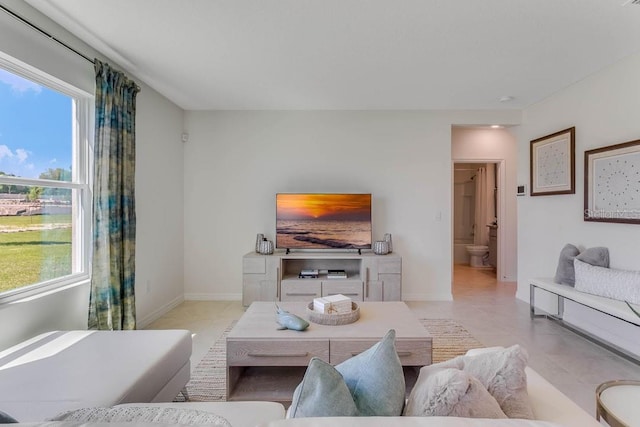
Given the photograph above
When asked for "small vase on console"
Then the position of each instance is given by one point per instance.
(259, 239)
(387, 238)
(266, 247)
(380, 247)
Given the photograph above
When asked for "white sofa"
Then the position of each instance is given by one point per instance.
(64, 370)
(550, 408)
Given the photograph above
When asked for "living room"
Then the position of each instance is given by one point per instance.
(218, 188)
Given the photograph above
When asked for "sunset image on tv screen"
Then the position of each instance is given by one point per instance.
(323, 221)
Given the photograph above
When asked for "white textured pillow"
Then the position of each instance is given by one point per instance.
(149, 414)
(450, 393)
(622, 285)
(501, 372)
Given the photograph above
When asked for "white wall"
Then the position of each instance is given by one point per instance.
(495, 145)
(604, 109)
(159, 187)
(235, 163)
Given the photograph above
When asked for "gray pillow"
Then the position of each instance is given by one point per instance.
(565, 273)
(595, 256)
(501, 372)
(148, 414)
(451, 393)
(369, 384)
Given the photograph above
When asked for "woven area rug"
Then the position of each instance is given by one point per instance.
(208, 379)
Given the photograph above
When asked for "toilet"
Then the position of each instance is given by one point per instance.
(477, 253)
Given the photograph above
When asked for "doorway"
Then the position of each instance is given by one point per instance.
(475, 214)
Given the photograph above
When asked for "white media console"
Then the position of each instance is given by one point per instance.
(274, 277)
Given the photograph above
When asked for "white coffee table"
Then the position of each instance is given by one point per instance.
(264, 363)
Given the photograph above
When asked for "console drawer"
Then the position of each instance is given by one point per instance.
(275, 352)
(300, 290)
(412, 352)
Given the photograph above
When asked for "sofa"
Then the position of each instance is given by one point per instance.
(34, 388)
(550, 407)
(64, 370)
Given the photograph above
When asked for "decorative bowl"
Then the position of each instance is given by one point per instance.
(334, 319)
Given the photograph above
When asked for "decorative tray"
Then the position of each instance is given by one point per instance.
(334, 319)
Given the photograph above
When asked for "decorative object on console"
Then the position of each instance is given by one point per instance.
(552, 164)
(266, 247)
(380, 247)
(611, 183)
(387, 238)
(374, 379)
(288, 320)
(565, 272)
(259, 239)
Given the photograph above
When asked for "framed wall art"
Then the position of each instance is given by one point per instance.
(552, 164)
(612, 183)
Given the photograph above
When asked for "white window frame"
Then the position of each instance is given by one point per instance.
(81, 180)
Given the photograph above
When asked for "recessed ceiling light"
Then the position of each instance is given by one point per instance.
(506, 98)
(496, 127)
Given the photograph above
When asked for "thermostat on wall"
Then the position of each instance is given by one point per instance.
(522, 190)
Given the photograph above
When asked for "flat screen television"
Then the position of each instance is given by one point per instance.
(323, 221)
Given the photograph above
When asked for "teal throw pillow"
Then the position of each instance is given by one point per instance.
(375, 379)
(369, 384)
(322, 393)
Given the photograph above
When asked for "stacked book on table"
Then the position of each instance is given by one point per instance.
(336, 274)
(332, 304)
(308, 274)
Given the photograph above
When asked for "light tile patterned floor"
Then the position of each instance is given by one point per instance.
(485, 307)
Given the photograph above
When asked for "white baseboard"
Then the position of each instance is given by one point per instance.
(159, 312)
(213, 297)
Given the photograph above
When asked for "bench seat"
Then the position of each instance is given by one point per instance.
(64, 370)
(615, 308)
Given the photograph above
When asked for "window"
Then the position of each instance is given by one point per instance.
(44, 182)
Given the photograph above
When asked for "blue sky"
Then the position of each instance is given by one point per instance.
(35, 127)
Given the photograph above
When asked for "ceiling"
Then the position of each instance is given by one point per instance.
(355, 54)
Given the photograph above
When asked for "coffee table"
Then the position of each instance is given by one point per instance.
(264, 363)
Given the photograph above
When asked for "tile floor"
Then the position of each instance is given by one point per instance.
(487, 308)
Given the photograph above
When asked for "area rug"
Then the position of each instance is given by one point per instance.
(208, 379)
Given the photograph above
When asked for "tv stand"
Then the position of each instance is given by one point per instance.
(275, 277)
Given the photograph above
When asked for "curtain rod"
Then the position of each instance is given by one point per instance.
(44, 33)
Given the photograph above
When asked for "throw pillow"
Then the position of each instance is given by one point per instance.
(376, 379)
(621, 285)
(144, 414)
(502, 373)
(451, 392)
(598, 256)
(565, 273)
(322, 393)
(369, 384)
(6, 418)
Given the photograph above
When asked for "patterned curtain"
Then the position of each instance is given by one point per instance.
(112, 298)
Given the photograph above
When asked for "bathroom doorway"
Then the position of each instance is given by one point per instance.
(475, 215)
